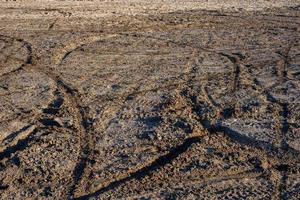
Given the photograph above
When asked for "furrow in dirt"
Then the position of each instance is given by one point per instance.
(162, 106)
(84, 129)
(21, 145)
(145, 171)
(79, 113)
(237, 71)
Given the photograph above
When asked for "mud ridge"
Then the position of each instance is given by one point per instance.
(146, 171)
(21, 145)
(11, 136)
(55, 106)
(85, 137)
(28, 60)
(237, 70)
(84, 125)
(242, 139)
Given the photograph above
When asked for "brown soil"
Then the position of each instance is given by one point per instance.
(193, 103)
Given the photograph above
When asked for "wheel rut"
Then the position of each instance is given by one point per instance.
(237, 71)
(84, 126)
(208, 98)
(147, 170)
(70, 94)
(27, 61)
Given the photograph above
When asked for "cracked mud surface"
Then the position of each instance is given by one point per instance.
(199, 104)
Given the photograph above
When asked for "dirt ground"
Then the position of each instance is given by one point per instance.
(149, 99)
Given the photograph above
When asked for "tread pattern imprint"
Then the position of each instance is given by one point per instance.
(185, 105)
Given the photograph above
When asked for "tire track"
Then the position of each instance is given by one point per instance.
(83, 125)
(21, 144)
(236, 136)
(71, 95)
(288, 154)
(87, 142)
(146, 171)
(159, 162)
(189, 89)
(28, 60)
(252, 174)
(61, 54)
(214, 128)
(237, 71)
(208, 97)
(284, 125)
